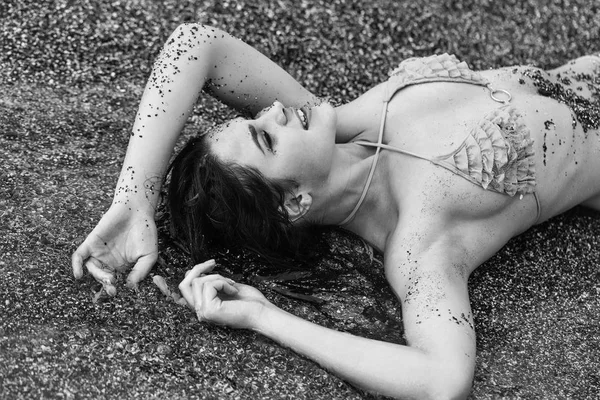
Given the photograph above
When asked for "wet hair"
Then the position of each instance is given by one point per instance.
(210, 200)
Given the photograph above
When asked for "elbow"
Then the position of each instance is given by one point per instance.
(185, 30)
(196, 42)
(194, 29)
(449, 384)
(203, 41)
(436, 384)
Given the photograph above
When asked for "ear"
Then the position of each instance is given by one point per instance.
(297, 205)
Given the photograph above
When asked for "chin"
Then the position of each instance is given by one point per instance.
(327, 116)
(326, 106)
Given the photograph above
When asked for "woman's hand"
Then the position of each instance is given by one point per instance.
(220, 300)
(121, 238)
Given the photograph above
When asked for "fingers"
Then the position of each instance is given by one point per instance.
(94, 267)
(206, 290)
(199, 269)
(185, 287)
(81, 254)
(160, 282)
(141, 269)
(106, 278)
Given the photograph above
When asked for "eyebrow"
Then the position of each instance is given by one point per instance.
(254, 135)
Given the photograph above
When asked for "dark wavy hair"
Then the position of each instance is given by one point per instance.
(229, 204)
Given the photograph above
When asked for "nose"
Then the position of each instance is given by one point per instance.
(273, 113)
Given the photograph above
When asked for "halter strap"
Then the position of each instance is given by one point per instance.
(414, 71)
(372, 170)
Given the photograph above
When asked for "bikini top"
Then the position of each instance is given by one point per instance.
(497, 153)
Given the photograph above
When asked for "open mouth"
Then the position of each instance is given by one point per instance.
(303, 115)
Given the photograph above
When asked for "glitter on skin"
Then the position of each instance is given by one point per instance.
(586, 111)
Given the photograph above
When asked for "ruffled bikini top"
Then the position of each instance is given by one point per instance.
(496, 154)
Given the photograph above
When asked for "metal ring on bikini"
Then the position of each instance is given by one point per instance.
(498, 99)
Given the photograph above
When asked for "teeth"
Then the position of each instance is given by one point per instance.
(303, 118)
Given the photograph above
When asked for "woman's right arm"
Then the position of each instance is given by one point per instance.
(194, 57)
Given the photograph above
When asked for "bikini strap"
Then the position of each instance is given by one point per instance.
(373, 165)
(437, 68)
(412, 71)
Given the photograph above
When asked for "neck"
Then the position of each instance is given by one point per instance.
(344, 186)
(374, 219)
(342, 190)
(336, 198)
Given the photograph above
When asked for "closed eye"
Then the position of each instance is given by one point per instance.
(268, 140)
(254, 136)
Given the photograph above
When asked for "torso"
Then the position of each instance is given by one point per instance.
(433, 201)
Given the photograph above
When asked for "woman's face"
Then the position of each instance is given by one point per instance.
(282, 143)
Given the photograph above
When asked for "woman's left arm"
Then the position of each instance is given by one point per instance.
(437, 362)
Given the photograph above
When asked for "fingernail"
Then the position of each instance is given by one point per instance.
(131, 284)
(108, 287)
(111, 290)
(182, 301)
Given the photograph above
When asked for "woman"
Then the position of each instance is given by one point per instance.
(437, 168)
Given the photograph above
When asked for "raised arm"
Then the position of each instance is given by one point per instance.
(438, 361)
(197, 57)
(194, 57)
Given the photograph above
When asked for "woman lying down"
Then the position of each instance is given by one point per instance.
(437, 168)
